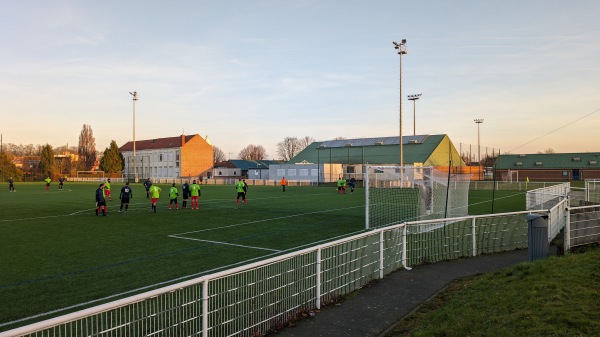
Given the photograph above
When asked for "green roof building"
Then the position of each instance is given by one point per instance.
(426, 150)
(548, 167)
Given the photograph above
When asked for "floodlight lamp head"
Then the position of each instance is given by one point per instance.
(403, 41)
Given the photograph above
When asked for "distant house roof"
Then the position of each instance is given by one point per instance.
(586, 160)
(158, 143)
(246, 164)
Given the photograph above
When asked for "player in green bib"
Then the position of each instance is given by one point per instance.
(240, 187)
(154, 194)
(195, 193)
(107, 189)
(173, 194)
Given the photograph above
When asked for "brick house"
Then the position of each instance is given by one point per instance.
(172, 157)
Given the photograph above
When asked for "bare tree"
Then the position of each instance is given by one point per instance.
(288, 148)
(87, 148)
(304, 142)
(339, 138)
(253, 152)
(291, 146)
(218, 155)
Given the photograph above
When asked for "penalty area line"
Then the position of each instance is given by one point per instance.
(223, 243)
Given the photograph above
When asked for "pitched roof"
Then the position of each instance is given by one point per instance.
(586, 160)
(246, 164)
(158, 143)
(380, 150)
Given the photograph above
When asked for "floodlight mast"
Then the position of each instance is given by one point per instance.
(135, 98)
(401, 47)
(478, 121)
(414, 98)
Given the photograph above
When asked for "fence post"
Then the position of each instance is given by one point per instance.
(205, 308)
(567, 235)
(381, 238)
(404, 257)
(473, 223)
(318, 281)
(367, 198)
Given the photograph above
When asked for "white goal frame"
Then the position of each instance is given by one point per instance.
(93, 173)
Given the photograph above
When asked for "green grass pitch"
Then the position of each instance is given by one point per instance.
(56, 253)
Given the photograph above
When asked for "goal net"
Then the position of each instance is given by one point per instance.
(510, 176)
(396, 194)
(592, 190)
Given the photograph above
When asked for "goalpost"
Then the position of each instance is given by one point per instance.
(395, 194)
(592, 190)
(90, 174)
(510, 176)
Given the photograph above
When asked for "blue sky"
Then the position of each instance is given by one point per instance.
(254, 72)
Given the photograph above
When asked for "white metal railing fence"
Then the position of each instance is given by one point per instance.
(582, 226)
(547, 197)
(253, 299)
(557, 218)
(510, 186)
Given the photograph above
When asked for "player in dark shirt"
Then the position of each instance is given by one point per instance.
(147, 185)
(185, 191)
(100, 201)
(61, 181)
(126, 194)
(11, 185)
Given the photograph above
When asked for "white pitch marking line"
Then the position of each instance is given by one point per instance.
(271, 219)
(224, 243)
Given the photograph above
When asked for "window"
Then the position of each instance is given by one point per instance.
(280, 172)
(292, 172)
(314, 172)
(304, 172)
(565, 173)
(176, 164)
(160, 157)
(177, 155)
(220, 173)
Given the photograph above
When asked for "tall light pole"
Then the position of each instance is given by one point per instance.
(478, 121)
(414, 98)
(135, 98)
(401, 50)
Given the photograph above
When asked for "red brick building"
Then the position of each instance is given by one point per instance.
(172, 157)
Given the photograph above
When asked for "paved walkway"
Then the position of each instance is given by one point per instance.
(376, 308)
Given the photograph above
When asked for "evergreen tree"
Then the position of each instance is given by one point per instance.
(47, 164)
(112, 161)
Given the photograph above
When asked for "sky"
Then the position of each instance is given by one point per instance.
(255, 72)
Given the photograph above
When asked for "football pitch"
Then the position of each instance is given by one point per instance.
(57, 256)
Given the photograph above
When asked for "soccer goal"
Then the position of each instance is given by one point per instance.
(510, 176)
(592, 190)
(90, 174)
(395, 194)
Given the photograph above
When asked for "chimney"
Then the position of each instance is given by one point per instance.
(182, 140)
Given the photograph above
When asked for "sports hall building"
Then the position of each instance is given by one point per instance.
(328, 160)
